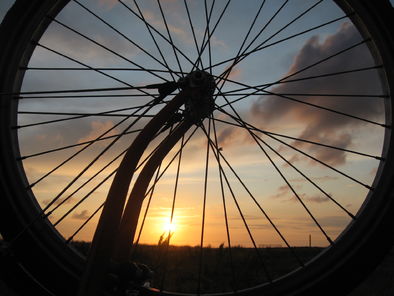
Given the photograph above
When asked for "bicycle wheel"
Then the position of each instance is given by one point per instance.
(282, 189)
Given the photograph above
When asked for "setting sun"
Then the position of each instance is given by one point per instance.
(169, 226)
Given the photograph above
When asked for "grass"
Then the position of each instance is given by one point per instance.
(181, 268)
(183, 263)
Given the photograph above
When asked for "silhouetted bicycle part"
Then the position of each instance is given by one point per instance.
(29, 221)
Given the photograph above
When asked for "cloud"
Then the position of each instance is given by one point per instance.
(44, 137)
(69, 43)
(284, 192)
(178, 26)
(108, 4)
(311, 199)
(235, 74)
(225, 135)
(281, 192)
(97, 129)
(57, 202)
(157, 22)
(83, 215)
(317, 199)
(317, 124)
(321, 179)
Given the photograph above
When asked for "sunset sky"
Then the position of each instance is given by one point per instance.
(62, 47)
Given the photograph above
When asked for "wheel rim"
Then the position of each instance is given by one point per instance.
(226, 130)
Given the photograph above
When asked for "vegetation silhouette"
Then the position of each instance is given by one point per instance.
(177, 268)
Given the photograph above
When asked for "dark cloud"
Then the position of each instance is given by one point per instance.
(57, 202)
(284, 192)
(44, 137)
(317, 124)
(321, 179)
(317, 198)
(309, 199)
(225, 135)
(83, 215)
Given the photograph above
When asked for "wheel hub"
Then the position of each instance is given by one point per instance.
(201, 103)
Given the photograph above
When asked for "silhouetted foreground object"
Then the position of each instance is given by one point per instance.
(247, 124)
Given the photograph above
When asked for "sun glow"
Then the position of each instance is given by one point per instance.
(169, 226)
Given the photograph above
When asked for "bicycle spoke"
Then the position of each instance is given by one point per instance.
(238, 56)
(264, 27)
(169, 36)
(130, 87)
(251, 128)
(86, 90)
(328, 196)
(219, 155)
(199, 49)
(256, 93)
(200, 258)
(236, 61)
(238, 118)
(84, 184)
(338, 112)
(328, 75)
(191, 26)
(84, 224)
(155, 30)
(329, 109)
(242, 123)
(154, 40)
(261, 45)
(254, 128)
(241, 215)
(251, 27)
(101, 69)
(81, 200)
(74, 145)
(229, 69)
(95, 188)
(86, 96)
(149, 106)
(78, 116)
(170, 162)
(126, 38)
(172, 213)
(83, 64)
(293, 166)
(224, 207)
(257, 49)
(207, 19)
(105, 113)
(234, 92)
(108, 49)
(293, 191)
(320, 61)
(205, 42)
